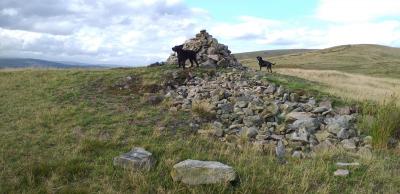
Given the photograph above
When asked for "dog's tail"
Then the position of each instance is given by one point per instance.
(273, 63)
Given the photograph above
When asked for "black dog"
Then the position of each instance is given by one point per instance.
(263, 63)
(184, 55)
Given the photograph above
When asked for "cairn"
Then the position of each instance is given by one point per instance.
(210, 52)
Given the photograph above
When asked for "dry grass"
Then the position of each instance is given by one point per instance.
(203, 109)
(350, 86)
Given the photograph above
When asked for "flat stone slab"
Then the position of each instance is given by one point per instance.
(196, 172)
(341, 172)
(341, 164)
(137, 159)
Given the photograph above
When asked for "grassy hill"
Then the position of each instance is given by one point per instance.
(374, 60)
(270, 53)
(38, 63)
(60, 129)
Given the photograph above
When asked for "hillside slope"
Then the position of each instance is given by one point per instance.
(375, 60)
(270, 53)
(38, 63)
(60, 129)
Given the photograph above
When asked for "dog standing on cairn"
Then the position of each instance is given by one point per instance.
(184, 55)
(263, 63)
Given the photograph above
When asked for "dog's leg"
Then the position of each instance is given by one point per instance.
(191, 63)
(197, 63)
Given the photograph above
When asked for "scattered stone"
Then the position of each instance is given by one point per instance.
(196, 172)
(343, 164)
(137, 159)
(310, 124)
(344, 110)
(294, 97)
(250, 132)
(270, 89)
(343, 134)
(300, 135)
(252, 121)
(280, 150)
(320, 110)
(327, 104)
(298, 154)
(341, 172)
(334, 125)
(298, 116)
(349, 144)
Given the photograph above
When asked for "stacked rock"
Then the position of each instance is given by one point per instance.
(246, 105)
(210, 52)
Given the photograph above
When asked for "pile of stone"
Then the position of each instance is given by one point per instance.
(248, 106)
(210, 52)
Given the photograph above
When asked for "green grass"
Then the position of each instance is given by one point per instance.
(373, 60)
(60, 129)
(382, 121)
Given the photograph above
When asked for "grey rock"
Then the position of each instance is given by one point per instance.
(343, 164)
(298, 154)
(298, 116)
(241, 104)
(310, 124)
(226, 108)
(294, 97)
(349, 144)
(249, 132)
(270, 89)
(280, 91)
(196, 172)
(324, 146)
(343, 134)
(335, 124)
(344, 110)
(320, 110)
(137, 159)
(218, 129)
(300, 135)
(252, 121)
(327, 104)
(341, 172)
(280, 150)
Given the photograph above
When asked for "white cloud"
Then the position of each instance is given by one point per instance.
(142, 31)
(357, 10)
(120, 31)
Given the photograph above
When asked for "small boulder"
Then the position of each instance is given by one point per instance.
(349, 144)
(298, 116)
(196, 172)
(249, 132)
(341, 172)
(137, 159)
(294, 97)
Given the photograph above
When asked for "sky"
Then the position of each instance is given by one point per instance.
(139, 32)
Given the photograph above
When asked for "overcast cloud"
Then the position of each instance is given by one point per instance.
(143, 31)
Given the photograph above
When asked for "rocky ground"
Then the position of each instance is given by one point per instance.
(241, 104)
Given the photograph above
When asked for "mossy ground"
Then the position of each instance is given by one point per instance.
(60, 129)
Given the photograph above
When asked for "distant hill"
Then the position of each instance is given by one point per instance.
(38, 63)
(269, 53)
(376, 60)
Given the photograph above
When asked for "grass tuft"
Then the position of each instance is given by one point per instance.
(381, 121)
(204, 110)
